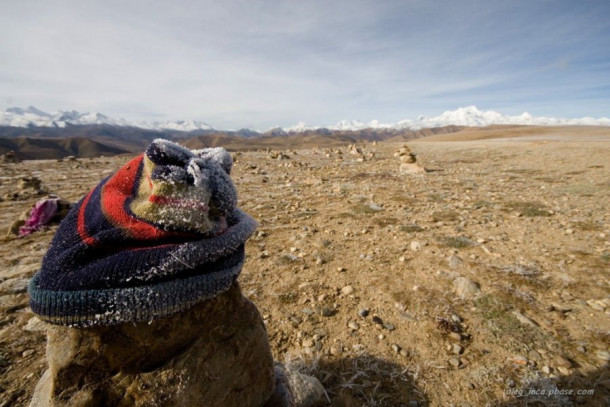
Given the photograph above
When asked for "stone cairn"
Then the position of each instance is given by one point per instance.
(408, 161)
(361, 154)
(215, 354)
(277, 155)
(182, 336)
(9, 158)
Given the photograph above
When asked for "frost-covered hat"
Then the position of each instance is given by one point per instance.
(158, 236)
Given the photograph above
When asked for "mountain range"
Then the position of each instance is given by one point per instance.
(468, 116)
(33, 134)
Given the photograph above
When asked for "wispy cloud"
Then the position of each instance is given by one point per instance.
(258, 64)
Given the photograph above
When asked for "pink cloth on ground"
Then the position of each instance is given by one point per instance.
(41, 215)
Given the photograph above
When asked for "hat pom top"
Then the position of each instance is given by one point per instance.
(185, 190)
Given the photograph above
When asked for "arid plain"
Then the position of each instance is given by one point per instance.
(484, 281)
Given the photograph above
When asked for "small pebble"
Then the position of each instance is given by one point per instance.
(27, 353)
(533, 355)
(518, 360)
(407, 317)
(457, 349)
(389, 326)
(363, 312)
(562, 361)
(307, 343)
(307, 311)
(377, 320)
(455, 362)
(347, 290)
(354, 326)
(326, 312)
(395, 348)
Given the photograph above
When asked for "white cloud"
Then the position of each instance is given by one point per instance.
(244, 63)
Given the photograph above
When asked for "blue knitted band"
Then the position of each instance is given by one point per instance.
(131, 304)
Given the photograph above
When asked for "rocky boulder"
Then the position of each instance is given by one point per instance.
(214, 354)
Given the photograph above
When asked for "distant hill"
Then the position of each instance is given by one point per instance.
(95, 140)
(30, 148)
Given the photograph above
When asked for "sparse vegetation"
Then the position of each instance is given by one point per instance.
(456, 242)
(410, 228)
(287, 298)
(505, 327)
(445, 215)
(529, 209)
(588, 226)
(363, 209)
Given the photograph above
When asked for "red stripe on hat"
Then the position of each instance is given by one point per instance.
(115, 194)
(80, 224)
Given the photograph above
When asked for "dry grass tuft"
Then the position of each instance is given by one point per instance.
(522, 270)
(529, 209)
(445, 215)
(456, 242)
(361, 378)
(410, 228)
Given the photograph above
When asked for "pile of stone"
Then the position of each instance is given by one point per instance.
(214, 354)
(337, 153)
(361, 154)
(189, 339)
(9, 158)
(277, 155)
(27, 187)
(408, 161)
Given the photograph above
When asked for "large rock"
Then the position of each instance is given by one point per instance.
(214, 354)
(411, 168)
(465, 288)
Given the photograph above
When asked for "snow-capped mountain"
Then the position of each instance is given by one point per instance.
(32, 117)
(473, 117)
(464, 116)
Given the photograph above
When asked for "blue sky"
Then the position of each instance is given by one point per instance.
(259, 64)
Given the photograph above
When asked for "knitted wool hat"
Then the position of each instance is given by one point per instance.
(158, 236)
